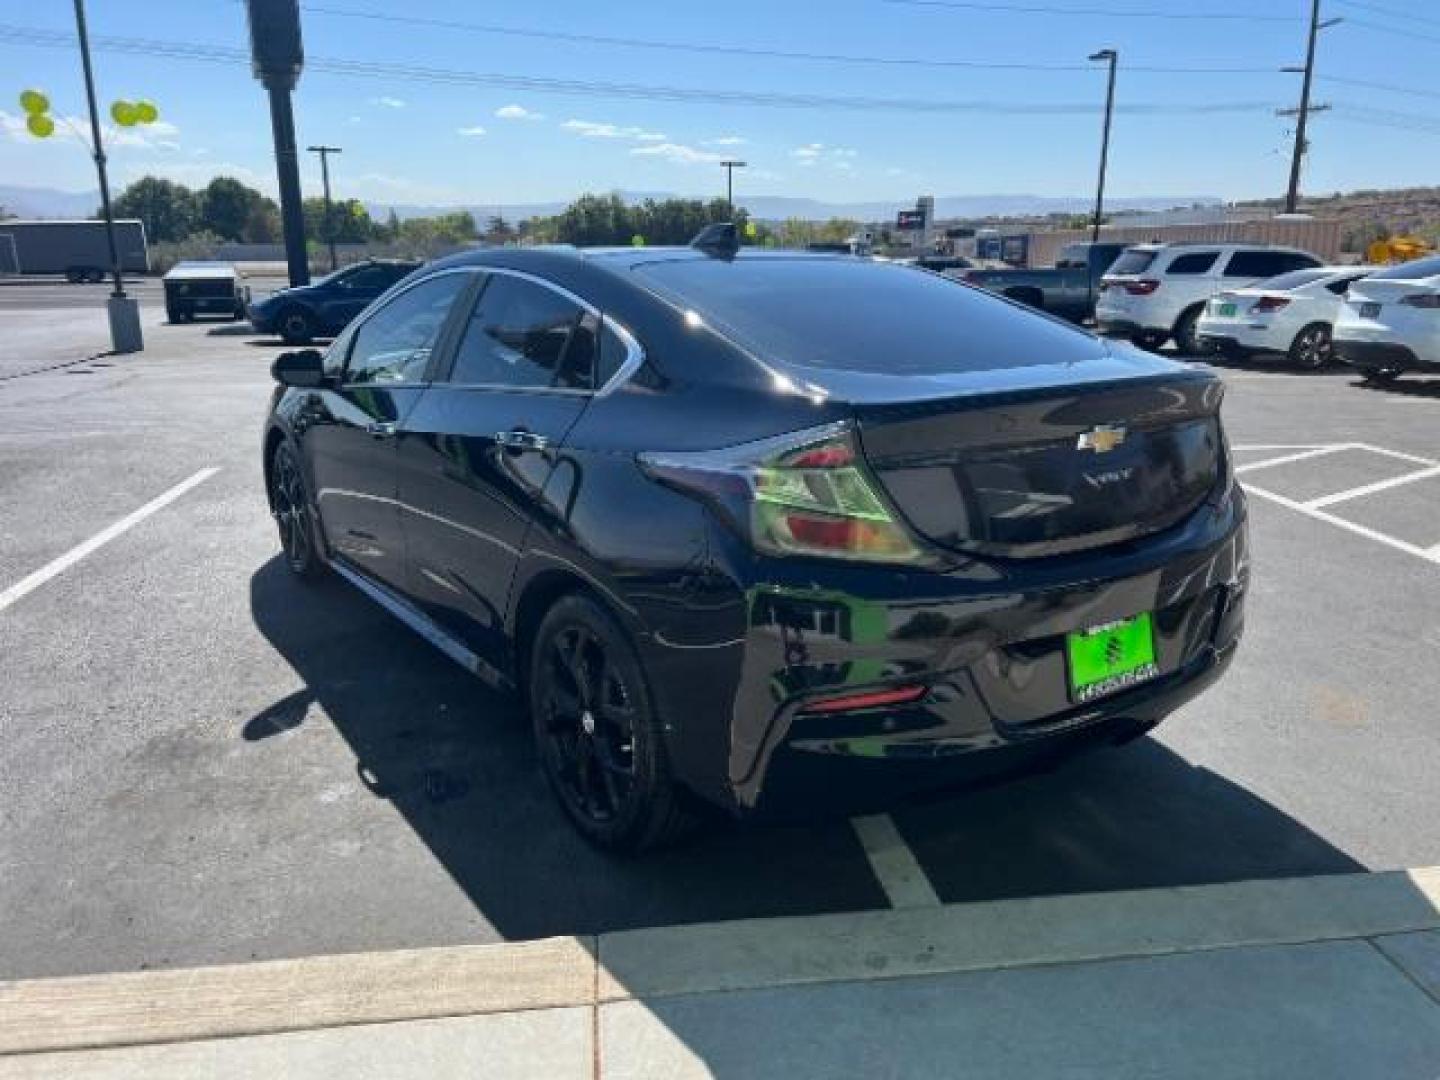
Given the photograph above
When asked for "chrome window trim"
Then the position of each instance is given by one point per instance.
(634, 353)
(384, 300)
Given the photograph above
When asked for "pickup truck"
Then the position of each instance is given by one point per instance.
(1068, 289)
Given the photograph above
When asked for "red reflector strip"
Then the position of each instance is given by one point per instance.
(900, 696)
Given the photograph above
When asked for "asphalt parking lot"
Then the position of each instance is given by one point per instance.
(206, 761)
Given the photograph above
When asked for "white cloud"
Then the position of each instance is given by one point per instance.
(680, 155)
(840, 158)
(727, 140)
(161, 135)
(354, 119)
(517, 112)
(592, 129)
(475, 130)
(197, 173)
(388, 102)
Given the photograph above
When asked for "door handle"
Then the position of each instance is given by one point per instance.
(520, 439)
(382, 429)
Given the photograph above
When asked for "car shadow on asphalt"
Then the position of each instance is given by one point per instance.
(456, 761)
(1404, 387)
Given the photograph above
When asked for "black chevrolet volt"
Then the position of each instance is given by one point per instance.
(773, 531)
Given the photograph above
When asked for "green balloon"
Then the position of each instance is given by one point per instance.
(40, 125)
(146, 112)
(637, 240)
(123, 113)
(34, 102)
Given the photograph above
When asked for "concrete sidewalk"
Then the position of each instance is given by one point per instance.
(1308, 977)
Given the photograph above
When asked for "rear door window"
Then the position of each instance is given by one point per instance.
(1133, 262)
(1266, 264)
(1193, 262)
(524, 335)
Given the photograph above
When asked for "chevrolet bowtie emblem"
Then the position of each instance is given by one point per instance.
(1102, 439)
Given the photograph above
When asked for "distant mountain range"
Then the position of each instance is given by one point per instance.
(53, 203)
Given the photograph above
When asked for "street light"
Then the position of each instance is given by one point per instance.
(325, 152)
(730, 167)
(1113, 58)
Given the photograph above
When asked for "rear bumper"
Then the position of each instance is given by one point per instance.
(989, 653)
(1380, 355)
(1124, 328)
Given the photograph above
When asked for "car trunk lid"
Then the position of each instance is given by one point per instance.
(1032, 471)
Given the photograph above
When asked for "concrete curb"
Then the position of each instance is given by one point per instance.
(136, 1008)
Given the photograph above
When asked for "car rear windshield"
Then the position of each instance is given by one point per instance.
(1411, 271)
(1296, 279)
(1133, 262)
(855, 315)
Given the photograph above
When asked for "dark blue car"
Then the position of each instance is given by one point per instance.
(325, 307)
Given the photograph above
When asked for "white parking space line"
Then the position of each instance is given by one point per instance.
(1428, 554)
(1371, 489)
(893, 863)
(31, 582)
(1300, 455)
(1398, 455)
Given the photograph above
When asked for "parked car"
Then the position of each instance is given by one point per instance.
(324, 308)
(1390, 321)
(941, 264)
(1293, 314)
(204, 288)
(766, 529)
(1156, 292)
(1068, 289)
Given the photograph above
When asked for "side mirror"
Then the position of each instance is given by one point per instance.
(303, 367)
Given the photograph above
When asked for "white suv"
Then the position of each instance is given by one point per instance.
(1154, 292)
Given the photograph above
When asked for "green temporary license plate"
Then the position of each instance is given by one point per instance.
(1227, 311)
(1111, 657)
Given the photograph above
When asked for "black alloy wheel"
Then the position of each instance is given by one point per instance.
(1312, 348)
(291, 508)
(1383, 375)
(296, 326)
(596, 731)
(1151, 340)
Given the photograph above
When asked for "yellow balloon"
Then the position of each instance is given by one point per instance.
(146, 112)
(750, 229)
(40, 125)
(34, 102)
(123, 113)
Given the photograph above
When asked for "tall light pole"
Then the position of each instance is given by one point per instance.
(124, 311)
(730, 167)
(325, 152)
(1111, 56)
(1302, 114)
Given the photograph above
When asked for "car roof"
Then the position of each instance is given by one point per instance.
(200, 268)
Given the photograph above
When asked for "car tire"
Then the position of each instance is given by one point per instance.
(172, 315)
(73, 276)
(1312, 348)
(1383, 375)
(1151, 340)
(600, 742)
(296, 326)
(291, 507)
(1186, 334)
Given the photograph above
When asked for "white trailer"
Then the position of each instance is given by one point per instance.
(76, 249)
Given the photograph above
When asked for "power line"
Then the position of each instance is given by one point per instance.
(1402, 121)
(707, 48)
(1389, 13)
(589, 88)
(1104, 12)
(1405, 32)
(1390, 88)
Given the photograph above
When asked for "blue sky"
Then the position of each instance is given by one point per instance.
(412, 141)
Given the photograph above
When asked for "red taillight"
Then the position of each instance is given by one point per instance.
(902, 695)
(830, 456)
(1268, 304)
(1143, 287)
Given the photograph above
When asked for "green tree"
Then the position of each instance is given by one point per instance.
(349, 219)
(169, 210)
(263, 224)
(226, 205)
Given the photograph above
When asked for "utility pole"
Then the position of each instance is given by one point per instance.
(730, 167)
(125, 335)
(277, 56)
(1302, 114)
(325, 152)
(1113, 58)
